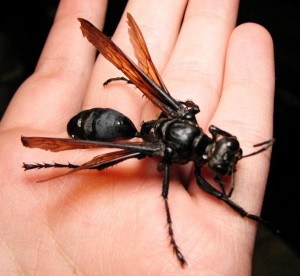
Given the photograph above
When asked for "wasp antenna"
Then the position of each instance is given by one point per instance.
(268, 144)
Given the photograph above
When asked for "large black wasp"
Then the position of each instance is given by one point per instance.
(173, 138)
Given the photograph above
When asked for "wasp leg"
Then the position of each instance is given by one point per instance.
(99, 163)
(38, 166)
(215, 131)
(191, 105)
(208, 188)
(231, 185)
(117, 79)
(165, 191)
(222, 185)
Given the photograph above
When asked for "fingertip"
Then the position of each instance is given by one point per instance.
(249, 83)
(254, 29)
(250, 52)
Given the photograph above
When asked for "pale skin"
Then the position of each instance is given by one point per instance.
(113, 222)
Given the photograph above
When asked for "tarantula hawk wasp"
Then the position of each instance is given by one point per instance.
(173, 138)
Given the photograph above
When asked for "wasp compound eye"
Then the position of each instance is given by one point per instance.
(233, 144)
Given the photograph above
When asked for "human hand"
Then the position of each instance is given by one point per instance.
(114, 221)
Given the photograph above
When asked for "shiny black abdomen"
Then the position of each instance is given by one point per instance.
(103, 124)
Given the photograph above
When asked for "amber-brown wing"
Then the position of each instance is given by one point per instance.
(101, 162)
(142, 53)
(61, 144)
(114, 54)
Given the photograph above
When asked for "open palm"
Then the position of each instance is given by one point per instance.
(113, 222)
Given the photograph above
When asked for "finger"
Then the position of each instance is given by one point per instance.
(246, 106)
(195, 70)
(160, 32)
(54, 92)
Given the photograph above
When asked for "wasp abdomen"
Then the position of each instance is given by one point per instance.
(103, 124)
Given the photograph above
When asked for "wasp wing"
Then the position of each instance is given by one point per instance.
(61, 144)
(142, 53)
(148, 86)
(99, 162)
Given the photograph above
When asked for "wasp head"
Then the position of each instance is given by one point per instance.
(223, 156)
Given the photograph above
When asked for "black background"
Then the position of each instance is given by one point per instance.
(24, 26)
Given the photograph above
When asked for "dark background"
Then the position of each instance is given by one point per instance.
(24, 26)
